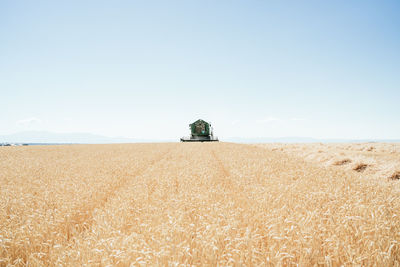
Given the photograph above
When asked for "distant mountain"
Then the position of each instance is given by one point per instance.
(69, 138)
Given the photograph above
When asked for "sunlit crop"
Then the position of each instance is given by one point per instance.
(193, 204)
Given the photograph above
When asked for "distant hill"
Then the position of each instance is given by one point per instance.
(303, 140)
(69, 138)
(42, 137)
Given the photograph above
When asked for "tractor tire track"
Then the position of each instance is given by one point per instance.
(145, 204)
(83, 218)
(230, 182)
(223, 171)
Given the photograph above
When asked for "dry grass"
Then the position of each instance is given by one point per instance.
(191, 204)
(341, 162)
(360, 167)
(395, 176)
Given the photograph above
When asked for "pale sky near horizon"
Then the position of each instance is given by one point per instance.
(146, 69)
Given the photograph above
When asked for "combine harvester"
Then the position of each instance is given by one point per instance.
(201, 131)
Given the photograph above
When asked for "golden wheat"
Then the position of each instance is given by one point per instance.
(193, 204)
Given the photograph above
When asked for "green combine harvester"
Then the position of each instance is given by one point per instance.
(201, 131)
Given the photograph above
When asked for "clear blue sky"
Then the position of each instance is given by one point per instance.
(253, 68)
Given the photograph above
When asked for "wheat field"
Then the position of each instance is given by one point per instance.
(180, 204)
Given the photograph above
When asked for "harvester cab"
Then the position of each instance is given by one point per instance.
(200, 131)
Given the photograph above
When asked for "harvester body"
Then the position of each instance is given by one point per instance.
(200, 131)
